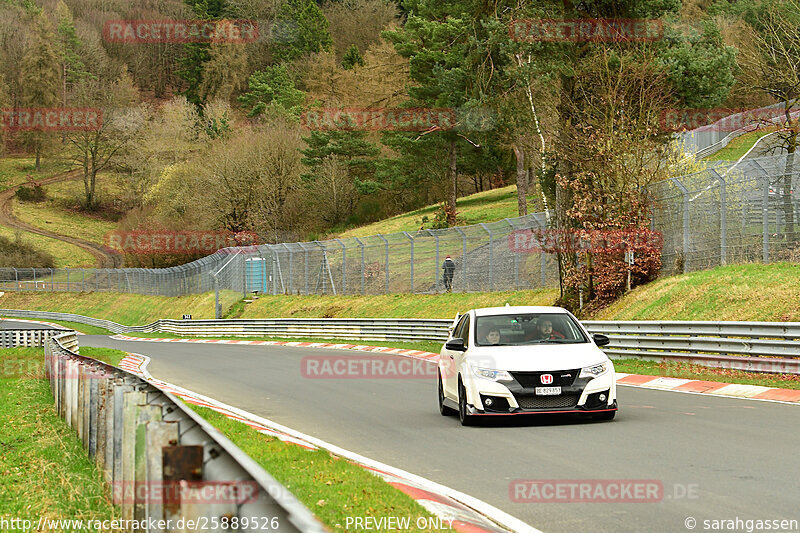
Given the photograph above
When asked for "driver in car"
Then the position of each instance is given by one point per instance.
(544, 329)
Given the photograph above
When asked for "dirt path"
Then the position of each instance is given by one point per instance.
(104, 257)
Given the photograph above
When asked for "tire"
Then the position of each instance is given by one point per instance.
(443, 409)
(608, 415)
(463, 417)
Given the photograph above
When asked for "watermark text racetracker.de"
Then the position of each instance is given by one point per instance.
(237, 31)
(366, 367)
(549, 240)
(203, 523)
(586, 30)
(598, 491)
(51, 119)
(399, 119)
(177, 242)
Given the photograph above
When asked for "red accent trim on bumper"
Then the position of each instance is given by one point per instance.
(545, 412)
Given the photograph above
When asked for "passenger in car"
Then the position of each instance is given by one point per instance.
(490, 336)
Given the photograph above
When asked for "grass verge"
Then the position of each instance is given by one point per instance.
(391, 305)
(44, 470)
(739, 146)
(128, 309)
(64, 254)
(332, 488)
(486, 206)
(106, 355)
(751, 292)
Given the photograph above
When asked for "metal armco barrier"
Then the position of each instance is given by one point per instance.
(162, 460)
(29, 338)
(754, 346)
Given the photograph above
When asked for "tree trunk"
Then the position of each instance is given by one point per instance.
(453, 175)
(38, 150)
(522, 181)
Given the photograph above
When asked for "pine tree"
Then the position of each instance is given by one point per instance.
(197, 54)
(352, 57)
(272, 88)
(40, 81)
(300, 28)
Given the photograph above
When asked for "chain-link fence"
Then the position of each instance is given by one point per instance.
(729, 213)
(706, 140)
(484, 256)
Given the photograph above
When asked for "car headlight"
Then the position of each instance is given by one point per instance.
(594, 370)
(494, 375)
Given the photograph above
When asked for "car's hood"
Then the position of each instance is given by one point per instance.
(537, 357)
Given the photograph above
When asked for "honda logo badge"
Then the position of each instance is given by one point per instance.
(547, 379)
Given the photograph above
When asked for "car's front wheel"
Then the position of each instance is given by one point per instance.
(443, 409)
(465, 418)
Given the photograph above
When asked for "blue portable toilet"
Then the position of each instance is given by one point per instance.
(257, 274)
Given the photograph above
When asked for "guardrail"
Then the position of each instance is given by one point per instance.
(29, 338)
(751, 346)
(162, 460)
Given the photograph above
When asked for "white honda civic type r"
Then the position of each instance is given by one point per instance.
(502, 361)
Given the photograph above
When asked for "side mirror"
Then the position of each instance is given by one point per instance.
(600, 340)
(456, 345)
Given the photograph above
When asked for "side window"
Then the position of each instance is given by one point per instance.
(457, 331)
(464, 333)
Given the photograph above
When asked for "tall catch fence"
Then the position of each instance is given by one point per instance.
(709, 139)
(729, 213)
(404, 262)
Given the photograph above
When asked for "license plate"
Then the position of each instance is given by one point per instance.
(548, 391)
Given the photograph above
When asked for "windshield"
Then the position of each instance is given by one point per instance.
(524, 329)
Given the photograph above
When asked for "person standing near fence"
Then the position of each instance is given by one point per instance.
(449, 267)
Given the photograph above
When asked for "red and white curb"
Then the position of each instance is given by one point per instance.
(416, 354)
(458, 510)
(716, 388)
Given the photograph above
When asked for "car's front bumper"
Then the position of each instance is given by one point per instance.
(581, 395)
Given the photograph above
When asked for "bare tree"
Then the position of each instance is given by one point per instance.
(770, 63)
(97, 150)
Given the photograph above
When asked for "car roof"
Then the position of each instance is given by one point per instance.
(518, 309)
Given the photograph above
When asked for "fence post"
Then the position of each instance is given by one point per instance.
(387, 260)
(516, 257)
(491, 256)
(723, 218)
(291, 277)
(343, 290)
(411, 239)
(217, 310)
(305, 267)
(34, 279)
(685, 192)
(436, 265)
(463, 256)
(363, 280)
(764, 214)
(52, 282)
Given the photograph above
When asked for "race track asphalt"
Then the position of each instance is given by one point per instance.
(717, 458)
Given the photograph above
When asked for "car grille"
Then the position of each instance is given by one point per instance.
(561, 378)
(547, 402)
